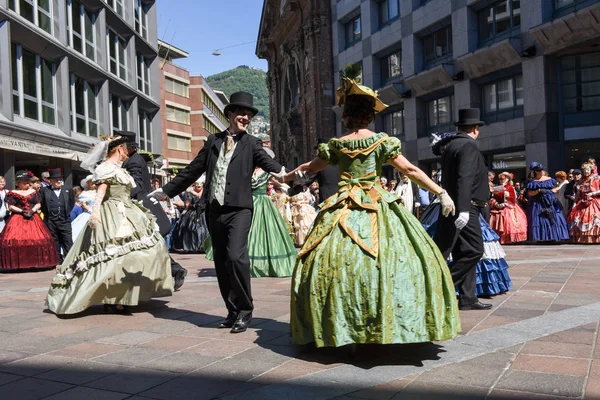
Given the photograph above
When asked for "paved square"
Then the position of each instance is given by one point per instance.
(540, 340)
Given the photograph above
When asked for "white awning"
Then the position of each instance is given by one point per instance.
(27, 146)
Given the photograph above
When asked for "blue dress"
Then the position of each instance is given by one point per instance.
(492, 269)
(545, 219)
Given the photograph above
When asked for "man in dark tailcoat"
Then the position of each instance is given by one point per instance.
(137, 167)
(228, 159)
(57, 203)
(464, 176)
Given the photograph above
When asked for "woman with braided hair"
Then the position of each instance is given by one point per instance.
(120, 258)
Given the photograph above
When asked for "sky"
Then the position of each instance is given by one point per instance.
(201, 26)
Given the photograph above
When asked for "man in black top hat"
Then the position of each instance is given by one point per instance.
(57, 203)
(138, 169)
(464, 176)
(228, 159)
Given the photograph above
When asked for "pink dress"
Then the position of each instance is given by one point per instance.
(506, 217)
(584, 219)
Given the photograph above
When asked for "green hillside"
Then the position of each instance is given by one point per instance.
(246, 79)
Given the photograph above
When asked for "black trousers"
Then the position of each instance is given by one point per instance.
(485, 213)
(229, 228)
(466, 246)
(60, 229)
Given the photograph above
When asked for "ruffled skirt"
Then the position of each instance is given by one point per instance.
(510, 224)
(26, 244)
(584, 222)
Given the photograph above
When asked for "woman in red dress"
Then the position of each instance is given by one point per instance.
(506, 217)
(25, 242)
(584, 219)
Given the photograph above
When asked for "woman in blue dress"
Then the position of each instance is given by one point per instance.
(545, 219)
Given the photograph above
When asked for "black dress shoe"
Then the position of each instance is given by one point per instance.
(475, 306)
(241, 324)
(229, 321)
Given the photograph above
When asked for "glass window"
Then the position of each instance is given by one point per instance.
(353, 31)
(34, 86)
(117, 54)
(580, 80)
(38, 12)
(143, 74)
(391, 66)
(438, 46)
(213, 108)
(389, 10)
(393, 124)
(178, 115)
(84, 106)
(209, 126)
(141, 18)
(440, 115)
(503, 95)
(80, 29)
(119, 114)
(145, 125)
(177, 87)
(116, 5)
(499, 18)
(180, 143)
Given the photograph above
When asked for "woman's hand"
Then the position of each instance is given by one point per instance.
(94, 218)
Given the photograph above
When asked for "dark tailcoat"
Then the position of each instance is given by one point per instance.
(57, 216)
(229, 223)
(464, 176)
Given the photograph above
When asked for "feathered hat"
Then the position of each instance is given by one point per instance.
(437, 141)
(350, 87)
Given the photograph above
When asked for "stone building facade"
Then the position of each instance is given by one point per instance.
(295, 38)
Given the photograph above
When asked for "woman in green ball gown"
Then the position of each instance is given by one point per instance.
(368, 271)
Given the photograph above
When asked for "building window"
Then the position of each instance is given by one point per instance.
(84, 107)
(80, 28)
(437, 47)
(209, 126)
(391, 67)
(502, 98)
(177, 87)
(393, 124)
(34, 86)
(116, 5)
(181, 143)
(178, 115)
(580, 80)
(212, 108)
(292, 88)
(499, 19)
(353, 31)
(143, 74)
(439, 115)
(564, 7)
(118, 116)
(117, 54)
(38, 12)
(141, 18)
(145, 125)
(389, 10)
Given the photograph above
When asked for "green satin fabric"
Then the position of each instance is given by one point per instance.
(123, 260)
(369, 273)
(270, 247)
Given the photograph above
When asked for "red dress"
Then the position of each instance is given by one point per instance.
(26, 243)
(584, 219)
(506, 217)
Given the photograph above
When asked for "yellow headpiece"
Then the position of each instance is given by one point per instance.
(349, 87)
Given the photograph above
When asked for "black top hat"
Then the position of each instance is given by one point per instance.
(131, 137)
(23, 175)
(55, 173)
(243, 100)
(469, 116)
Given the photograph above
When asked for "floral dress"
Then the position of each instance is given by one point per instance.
(123, 260)
(303, 215)
(584, 219)
(368, 271)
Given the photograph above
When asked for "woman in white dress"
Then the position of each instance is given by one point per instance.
(86, 199)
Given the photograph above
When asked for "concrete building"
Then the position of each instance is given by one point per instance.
(295, 38)
(70, 71)
(532, 67)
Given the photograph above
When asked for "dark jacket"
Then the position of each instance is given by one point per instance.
(64, 203)
(464, 172)
(248, 154)
(328, 180)
(570, 191)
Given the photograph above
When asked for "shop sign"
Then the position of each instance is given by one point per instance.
(26, 146)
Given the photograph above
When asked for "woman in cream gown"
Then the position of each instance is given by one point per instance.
(119, 259)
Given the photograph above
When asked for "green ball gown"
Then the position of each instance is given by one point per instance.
(270, 247)
(123, 260)
(368, 271)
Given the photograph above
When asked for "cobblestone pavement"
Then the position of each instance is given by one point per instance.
(540, 341)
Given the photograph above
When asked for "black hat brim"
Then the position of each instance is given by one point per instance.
(229, 106)
(469, 123)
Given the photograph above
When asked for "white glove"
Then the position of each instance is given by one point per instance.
(462, 220)
(417, 205)
(158, 194)
(447, 204)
